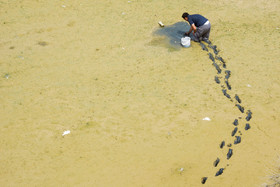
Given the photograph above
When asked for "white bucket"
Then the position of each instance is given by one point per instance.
(186, 41)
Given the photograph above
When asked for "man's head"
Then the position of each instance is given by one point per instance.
(185, 16)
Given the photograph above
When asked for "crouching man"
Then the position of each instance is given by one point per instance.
(200, 26)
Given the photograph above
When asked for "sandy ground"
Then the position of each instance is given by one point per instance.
(133, 105)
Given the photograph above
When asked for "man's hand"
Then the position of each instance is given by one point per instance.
(190, 31)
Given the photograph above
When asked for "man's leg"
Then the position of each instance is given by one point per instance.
(198, 34)
(206, 35)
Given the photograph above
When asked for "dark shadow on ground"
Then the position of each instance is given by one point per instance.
(173, 34)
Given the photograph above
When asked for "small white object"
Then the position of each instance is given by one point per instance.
(181, 169)
(123, 13)
(66, 132)
(161, 24)
(206, 119)
(248, 85)
(63, 6)
(186, 41)
(129, 1)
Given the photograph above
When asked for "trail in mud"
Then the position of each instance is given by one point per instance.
(240, 123)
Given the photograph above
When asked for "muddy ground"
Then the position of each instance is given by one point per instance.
(133, 104)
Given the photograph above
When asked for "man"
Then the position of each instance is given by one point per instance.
(199, 25)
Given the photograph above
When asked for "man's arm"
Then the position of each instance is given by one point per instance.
(193, 28)
(188, 33)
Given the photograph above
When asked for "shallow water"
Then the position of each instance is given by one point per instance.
(134, 103)
(173, 33)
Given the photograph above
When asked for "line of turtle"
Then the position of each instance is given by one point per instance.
(225, 87)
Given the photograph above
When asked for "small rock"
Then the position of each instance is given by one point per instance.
(206, 119)
(66, 132)
(7, 76)
(161, 24)
(180, 171)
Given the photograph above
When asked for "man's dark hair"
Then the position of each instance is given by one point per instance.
(185, 15)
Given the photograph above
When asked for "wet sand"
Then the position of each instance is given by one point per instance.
(134, 105)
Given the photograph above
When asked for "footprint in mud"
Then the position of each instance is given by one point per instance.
(217, 80)
(226, 94)
(228, 73)
(42, 43)
(216, 162)
(222, 144)
(237, 98)
(228, 85)
(214, 47)
(217, 67)
(247, 126)
(249, 115)
(203, 180)
(235, 123)
(211, 57)
(237, 140)
(220, 172)
(234, 131)
(221, 60)
(229, 154)
(203, 46)
(240, 108)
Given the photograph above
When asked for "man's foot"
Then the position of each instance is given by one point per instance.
(206, 40)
